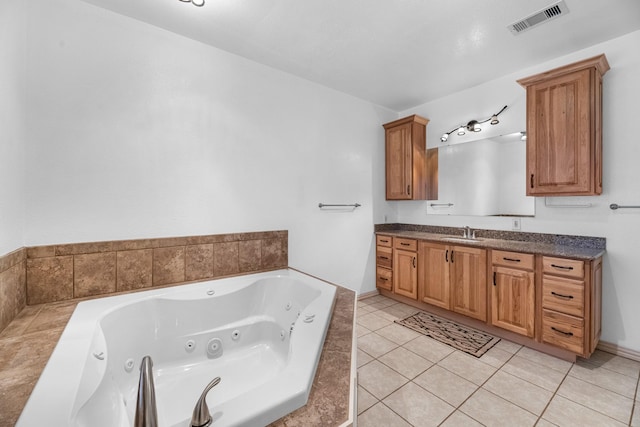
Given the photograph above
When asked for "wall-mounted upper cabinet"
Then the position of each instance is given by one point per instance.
(406, 160)
(564, 129)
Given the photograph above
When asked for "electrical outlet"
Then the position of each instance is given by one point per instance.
(515, 224)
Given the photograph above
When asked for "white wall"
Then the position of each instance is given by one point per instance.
(136, 132)
(621, 228)
(12, 161)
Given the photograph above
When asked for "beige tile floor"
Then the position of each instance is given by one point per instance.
(407, 379)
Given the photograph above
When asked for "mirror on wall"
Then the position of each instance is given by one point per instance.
(484, 177)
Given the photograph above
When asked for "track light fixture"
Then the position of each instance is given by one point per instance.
(473, 125)
(198, 3)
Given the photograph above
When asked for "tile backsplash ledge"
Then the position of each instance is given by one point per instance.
(43, 274)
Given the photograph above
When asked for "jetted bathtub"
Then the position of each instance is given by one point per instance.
(262, 334)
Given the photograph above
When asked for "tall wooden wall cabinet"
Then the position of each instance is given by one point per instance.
(564, 129)
(407, 175)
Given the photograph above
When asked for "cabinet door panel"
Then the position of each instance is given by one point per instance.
(405, 273)
(398, 162)
(513, 300)
(468, 274)
(559, 135)
(434, 274)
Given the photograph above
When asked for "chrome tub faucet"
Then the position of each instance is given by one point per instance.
(201, 416)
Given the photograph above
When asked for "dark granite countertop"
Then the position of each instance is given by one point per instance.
(576, 247)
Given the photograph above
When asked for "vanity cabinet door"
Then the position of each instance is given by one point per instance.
(406, 159)
(513, 300)
(433, 283)
(405, 273)
(468, 279)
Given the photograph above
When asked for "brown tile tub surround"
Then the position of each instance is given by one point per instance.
(79, 270)
(13, 296)
(28, 341)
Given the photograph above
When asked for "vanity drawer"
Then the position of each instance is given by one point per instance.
(405, 244)
(563, 330)
(513, 259)
(384, 241)
(563, 295)
(563, 267)
(384, 278)
(384, 256)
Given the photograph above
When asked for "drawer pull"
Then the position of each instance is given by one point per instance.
(510, 259)
(383, 278)
(384, 241)
(562, 267)
(561, 296)
(383, 257)
(569, 334)
(405, 244)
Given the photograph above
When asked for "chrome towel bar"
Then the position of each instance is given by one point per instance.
(440, 204)
(353, 205)
(615, 206)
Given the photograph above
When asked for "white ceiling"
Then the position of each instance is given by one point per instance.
(394, 53)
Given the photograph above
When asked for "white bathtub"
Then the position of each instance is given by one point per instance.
(271, 326)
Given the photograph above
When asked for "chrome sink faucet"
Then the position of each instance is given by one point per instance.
(201, 416)
(468, 233)
(146, 411)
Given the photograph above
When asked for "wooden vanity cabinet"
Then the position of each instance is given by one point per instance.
(453, 278)
(513, 292)
(406, 158)
(571, 303)
(405, 267)
(384, 262)
(564, 129)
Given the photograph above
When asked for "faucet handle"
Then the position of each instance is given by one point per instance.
(201, 416)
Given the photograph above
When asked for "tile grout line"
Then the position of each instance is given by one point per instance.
(480, 387)
(635, 406)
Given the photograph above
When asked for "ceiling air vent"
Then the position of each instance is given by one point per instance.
(546, 14)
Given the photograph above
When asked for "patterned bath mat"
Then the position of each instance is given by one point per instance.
(463, 338)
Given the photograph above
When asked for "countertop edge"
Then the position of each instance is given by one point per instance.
(538, 248)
